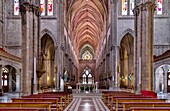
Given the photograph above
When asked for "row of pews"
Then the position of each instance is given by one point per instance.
(47, 101)
(126, 101)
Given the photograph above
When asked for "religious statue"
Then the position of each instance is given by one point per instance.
(65, 76)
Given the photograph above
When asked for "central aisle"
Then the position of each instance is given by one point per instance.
(87, 102)
(86, 105)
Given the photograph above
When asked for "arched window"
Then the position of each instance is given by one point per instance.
(127, 7)
(87, 76)
(159, 7)
(46, 7)
(16, 7)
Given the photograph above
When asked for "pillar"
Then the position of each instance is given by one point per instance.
(17, 83)
(29, 13)
(0, 79)
(144, 30)
(59, 46)
(114, 47)
(10, 82)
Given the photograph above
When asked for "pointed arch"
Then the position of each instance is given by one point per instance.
(46, 31)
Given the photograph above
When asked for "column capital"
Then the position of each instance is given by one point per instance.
(26, 6)
(147, 6)
(62, 47)
(111, 47)
(60, 1)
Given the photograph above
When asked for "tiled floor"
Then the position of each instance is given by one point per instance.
(86, 105)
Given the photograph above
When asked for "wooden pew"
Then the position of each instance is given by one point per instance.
(53, 100)
(107, 95)
(127, 105)
(112, 100)
(69, 96)
(42, 105)
(149, 109)
(20, 109)
(120, 100)
(62, 98)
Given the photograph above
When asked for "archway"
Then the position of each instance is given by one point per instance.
(87, 77)
(127, 61)
(48, 65)
(10, 79)
(159, 79)
(168, 80)
(162, 78)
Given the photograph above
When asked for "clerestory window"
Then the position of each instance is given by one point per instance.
(46, 7)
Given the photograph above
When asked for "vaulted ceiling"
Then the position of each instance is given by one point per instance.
(87, 24)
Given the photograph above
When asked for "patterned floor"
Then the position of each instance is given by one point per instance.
(87, 102)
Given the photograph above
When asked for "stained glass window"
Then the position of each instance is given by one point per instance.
(131, 6)
(50, 7)
(16, 7)
(124, 7)
(42, 7)
(159, 7)
(87, 56)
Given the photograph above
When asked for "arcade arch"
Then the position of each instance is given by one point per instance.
(47, 77)
(127, 61)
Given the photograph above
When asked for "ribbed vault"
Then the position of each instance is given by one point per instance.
(87, 22)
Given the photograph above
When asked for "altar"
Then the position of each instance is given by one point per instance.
(84, 86)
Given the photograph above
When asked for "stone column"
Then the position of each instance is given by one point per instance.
(3, 19)
(59, 49)
(10, 82)
(1, 23)
(144, 29)
(1, 78)
(114, 47)
(57, 56)
(29, 46)
(17, 83)
(168, 7)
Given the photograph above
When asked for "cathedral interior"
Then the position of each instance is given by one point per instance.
(46, 44)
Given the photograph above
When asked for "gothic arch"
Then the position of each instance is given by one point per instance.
(127, 60)
(127, 31)
(46, 31)
(47, 61)
(14, 66)
(12, 78)
(160, 77)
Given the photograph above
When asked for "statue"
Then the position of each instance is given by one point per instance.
(65, 76)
